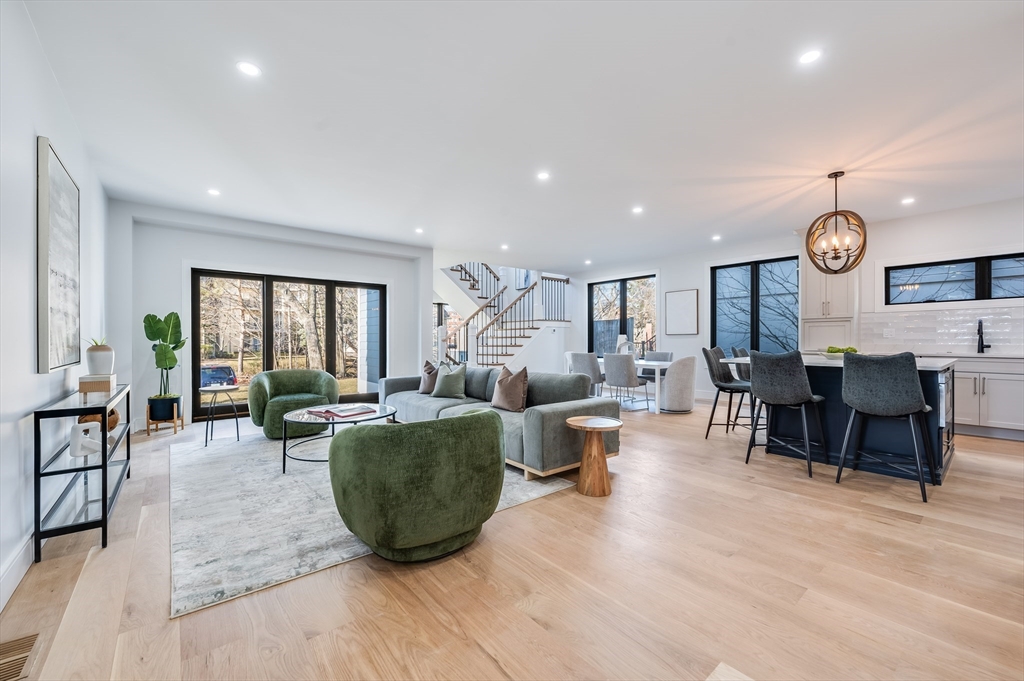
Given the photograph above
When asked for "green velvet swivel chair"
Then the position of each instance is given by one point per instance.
(418, 491)
(272, 394)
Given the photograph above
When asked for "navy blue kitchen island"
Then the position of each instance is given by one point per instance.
(880, 436)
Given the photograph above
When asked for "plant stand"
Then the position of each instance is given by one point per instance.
(176, 420)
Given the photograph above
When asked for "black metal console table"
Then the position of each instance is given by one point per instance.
(95, 480)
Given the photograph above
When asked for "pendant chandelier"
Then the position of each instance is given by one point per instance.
(836, 241)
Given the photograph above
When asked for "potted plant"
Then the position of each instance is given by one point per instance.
(99, 357)
(166, 334)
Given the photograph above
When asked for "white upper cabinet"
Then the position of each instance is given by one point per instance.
(827, 296)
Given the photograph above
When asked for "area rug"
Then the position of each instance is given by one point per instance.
(238, 525)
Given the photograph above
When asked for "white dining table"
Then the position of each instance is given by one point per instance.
(657, 365)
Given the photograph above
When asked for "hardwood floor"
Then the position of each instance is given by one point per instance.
(696, 567)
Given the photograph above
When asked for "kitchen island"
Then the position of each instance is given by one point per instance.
(880, 435)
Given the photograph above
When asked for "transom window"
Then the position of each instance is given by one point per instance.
(987, 278)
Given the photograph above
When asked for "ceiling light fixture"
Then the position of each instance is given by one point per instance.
(213, 192)
(637, 210)
(907, 201)
(504, 247)
(808, 57)
(716, 238)
(419, 230)
(249, 69)
(586, 262)
(846, 250)
(543, 176)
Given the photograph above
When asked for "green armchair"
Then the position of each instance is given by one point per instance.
(272, 394)
(418, 491)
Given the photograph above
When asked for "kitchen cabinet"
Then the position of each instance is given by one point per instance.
(966, 398)
(1002, 401)
(819, 334)
(827, 296)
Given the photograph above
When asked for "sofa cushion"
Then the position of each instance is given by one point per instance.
(277, 407)
(551, 388)
(450, 382)
(510, 420)
(510, 392)
(478, 380)
(428, 378)
(414, 407)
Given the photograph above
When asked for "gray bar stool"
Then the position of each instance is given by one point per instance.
(781, 381)
(742, 370)
(886, 387)
(725, 382)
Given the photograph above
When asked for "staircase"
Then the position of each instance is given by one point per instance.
(496, 332)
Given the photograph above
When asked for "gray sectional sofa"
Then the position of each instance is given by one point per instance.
(536, 440)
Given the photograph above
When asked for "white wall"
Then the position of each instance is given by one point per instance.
(31, 104)
(153, 250)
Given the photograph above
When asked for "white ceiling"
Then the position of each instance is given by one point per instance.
(373, 119)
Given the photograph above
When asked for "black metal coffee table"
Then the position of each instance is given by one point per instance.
(303, 417)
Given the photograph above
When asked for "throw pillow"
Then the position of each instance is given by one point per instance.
(428, 378)
(450, 382)
(510, 390)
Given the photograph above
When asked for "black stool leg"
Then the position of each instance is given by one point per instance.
(824, 437)
(862, 424)
(711, 418)
(728, 413)
(807, 440)
(753, 433)
(917, 458)
(931, 456)
(846, 444)
(739, 408)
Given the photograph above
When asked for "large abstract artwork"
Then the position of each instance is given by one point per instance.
(59, 264)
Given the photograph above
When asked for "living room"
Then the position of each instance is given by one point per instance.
(472, 340)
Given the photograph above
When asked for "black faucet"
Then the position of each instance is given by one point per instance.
(981, 339)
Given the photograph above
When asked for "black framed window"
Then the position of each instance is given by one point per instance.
(245, 323)
(622, 307)
(986, 278)
(755, 305)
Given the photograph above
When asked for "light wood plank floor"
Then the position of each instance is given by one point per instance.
(696, 567)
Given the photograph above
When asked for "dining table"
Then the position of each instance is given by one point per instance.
(659, 366)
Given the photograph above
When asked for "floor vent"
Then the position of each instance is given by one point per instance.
(13, 656)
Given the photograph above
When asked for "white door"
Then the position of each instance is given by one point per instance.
(1002, 401)
(967, 398)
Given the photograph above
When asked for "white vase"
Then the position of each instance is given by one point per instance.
(100, 359)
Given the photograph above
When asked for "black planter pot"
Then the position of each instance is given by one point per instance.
(162, 408)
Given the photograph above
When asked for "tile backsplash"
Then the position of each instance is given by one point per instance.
(943, 331)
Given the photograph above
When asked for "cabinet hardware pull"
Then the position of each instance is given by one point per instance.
(983, 384)
(823, 308)
(975, 385)
(828, 308)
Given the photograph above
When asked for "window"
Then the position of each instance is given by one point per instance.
(336, 327)
(755, 305)
(973, 279)
(624, 307)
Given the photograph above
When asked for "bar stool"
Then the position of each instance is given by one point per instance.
(742, 370)
(725, 382)
(781, 381)
(886, 387)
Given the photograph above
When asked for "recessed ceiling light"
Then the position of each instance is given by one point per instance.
(716, 238)
(586, 262)
(504, 247)
(908, 200)
(637, 210)
(249, 69)
(419, 230)
(213, 192)
(808, 57)
(543, 175)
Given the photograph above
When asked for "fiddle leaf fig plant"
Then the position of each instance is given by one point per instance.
(166, 333)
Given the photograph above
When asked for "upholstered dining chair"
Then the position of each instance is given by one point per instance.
(655, 356)
(886, 387)
(724, 382)
(620, 373)
(677, 389)
(780, 380)
(742, 370)
(586, 363)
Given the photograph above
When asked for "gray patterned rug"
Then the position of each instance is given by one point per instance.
(238, 525)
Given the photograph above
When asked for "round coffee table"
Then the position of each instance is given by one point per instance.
(301, 416)
(213, 391)
(594, 480)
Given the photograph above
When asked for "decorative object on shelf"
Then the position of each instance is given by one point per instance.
(85, 439)
(58, 274)
(97, 383)
(681, 313)
(844, 250)
(113, 418)
(99, 357)
(165, 406)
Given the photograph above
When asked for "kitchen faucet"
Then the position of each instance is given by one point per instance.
(981, 339)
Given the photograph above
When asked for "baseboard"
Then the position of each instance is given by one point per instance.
(997, 433)
(553, 471)
(12, 573)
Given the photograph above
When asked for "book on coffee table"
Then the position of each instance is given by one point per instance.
(340, 412)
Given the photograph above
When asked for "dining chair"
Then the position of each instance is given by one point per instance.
(586, 363)
(655, 356)
(677, 389)
(620, 373)
(724, 382)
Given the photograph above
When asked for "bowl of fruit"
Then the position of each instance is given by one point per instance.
(833, 352)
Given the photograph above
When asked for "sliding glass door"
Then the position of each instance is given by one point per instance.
(625, 307)
(248, 323)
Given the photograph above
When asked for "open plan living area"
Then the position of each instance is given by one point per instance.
(445, 339)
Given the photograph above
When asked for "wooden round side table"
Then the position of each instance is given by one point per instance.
(594, 480)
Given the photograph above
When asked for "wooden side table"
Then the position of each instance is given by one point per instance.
(594, 480)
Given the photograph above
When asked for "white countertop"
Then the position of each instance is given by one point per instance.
(816, 360)
(1000, 356)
